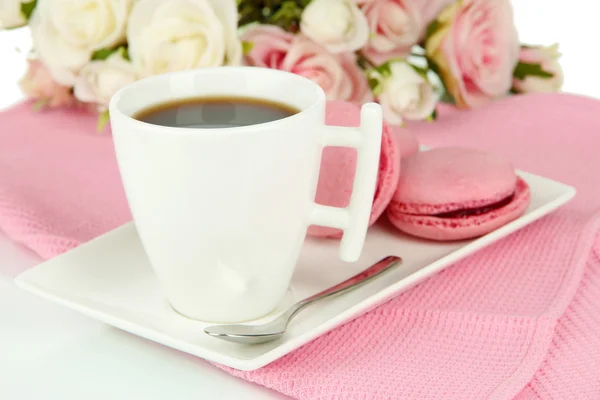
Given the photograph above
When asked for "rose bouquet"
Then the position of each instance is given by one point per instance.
(408, 55)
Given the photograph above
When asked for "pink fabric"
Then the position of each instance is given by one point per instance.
(519, 319)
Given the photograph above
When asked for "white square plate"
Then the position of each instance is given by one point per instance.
(110, 279)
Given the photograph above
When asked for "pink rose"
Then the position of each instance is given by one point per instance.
(538, 70)
(430, 9)
(395, 25)
(339, 75)
(476, 49)
(38, 84)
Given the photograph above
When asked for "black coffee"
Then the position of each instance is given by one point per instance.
(215, 112)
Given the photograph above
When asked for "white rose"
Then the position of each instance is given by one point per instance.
(338, 25)
(406, 94)
(547, 60)
(66, 32)
(10, 14)
(173, 35)
(99, 80)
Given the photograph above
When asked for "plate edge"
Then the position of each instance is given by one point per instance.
(345, 317)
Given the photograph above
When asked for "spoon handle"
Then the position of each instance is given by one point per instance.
(349, 284)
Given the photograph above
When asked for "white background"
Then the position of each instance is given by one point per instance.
(47, 352)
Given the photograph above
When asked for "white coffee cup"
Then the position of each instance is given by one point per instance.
(222, 213)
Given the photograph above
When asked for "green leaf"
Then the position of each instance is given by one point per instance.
(124, 51)
(27, 8)
(434, 67)
(384, 69)
(289, 10)
(523, 70)
(375, 85)
(248, 13)
(420, 70)
(247, 47)
(362, 62)
(39, 105)
(283, 13)
(432, 117)
(432, 28)
(436, 70)
(103, 119)
(447, 98)
(103, 54)
(287, 16)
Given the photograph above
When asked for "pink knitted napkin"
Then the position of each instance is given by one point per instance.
(519, 319)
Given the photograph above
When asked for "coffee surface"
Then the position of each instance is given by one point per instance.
(215, 112)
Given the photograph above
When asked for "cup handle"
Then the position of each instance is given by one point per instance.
(354, 219)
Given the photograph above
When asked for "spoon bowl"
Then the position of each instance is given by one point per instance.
(249, 334)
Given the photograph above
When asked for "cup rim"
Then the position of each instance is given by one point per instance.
(114, 109)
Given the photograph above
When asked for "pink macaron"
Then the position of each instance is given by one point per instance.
(456, 193)
(338, 167)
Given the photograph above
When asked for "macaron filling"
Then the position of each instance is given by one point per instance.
(456, 193)
(469, 212)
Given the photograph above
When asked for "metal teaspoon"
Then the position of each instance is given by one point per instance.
(254, 334)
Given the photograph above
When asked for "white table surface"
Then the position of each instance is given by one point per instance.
(51, 353)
